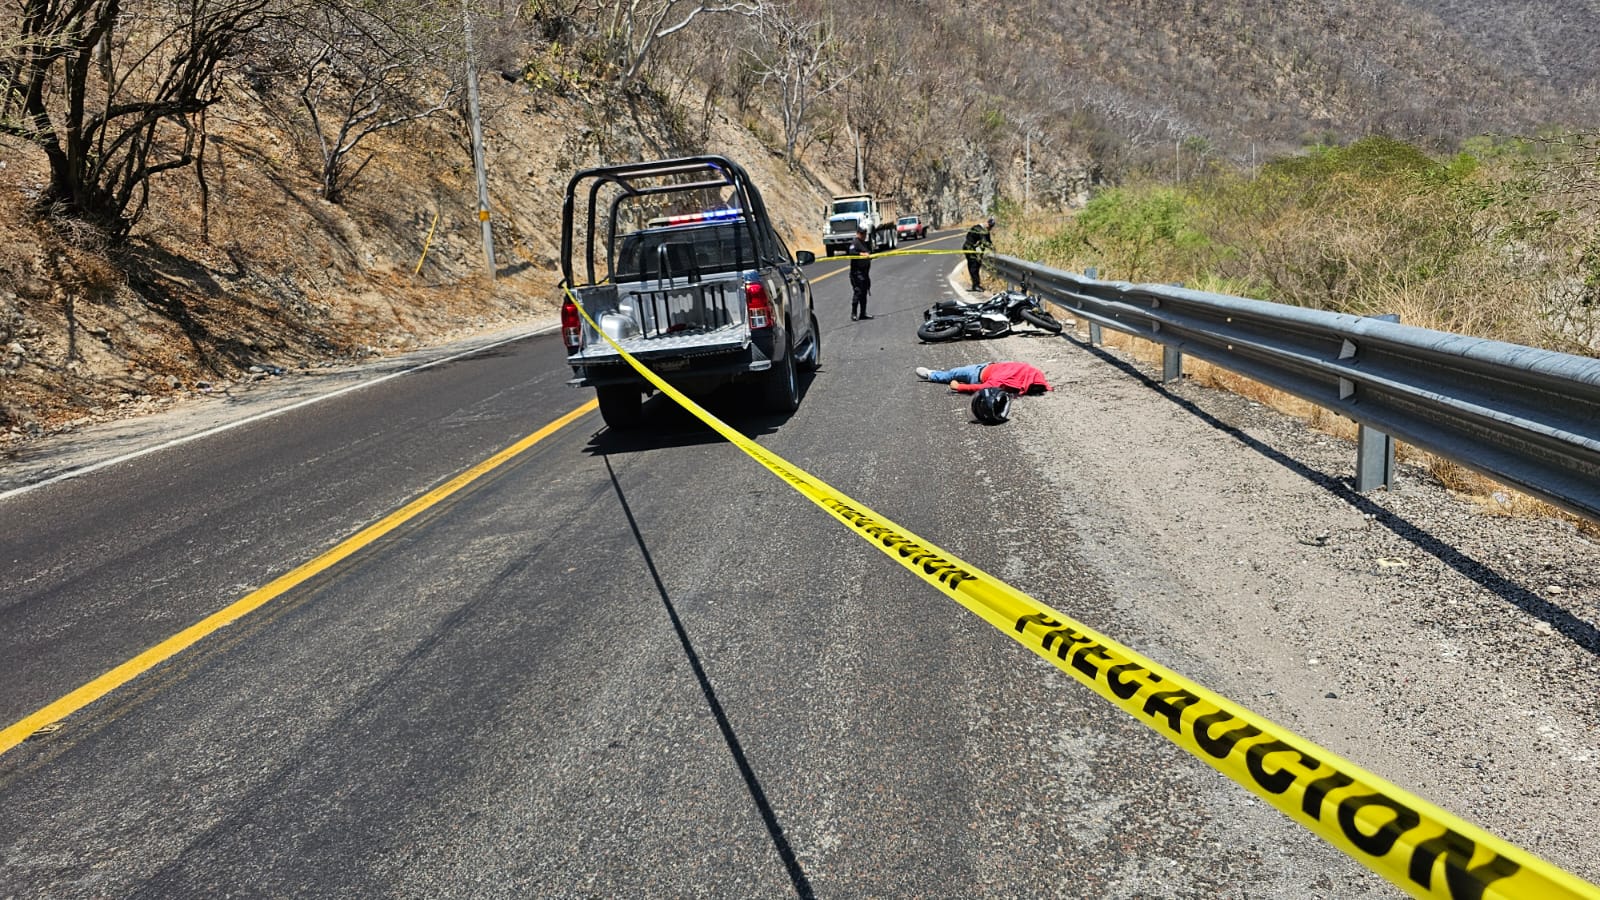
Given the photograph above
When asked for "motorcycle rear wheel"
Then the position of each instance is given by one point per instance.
(941, 328)
(1038, 318)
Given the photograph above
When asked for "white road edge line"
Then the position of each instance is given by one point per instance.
(103, 464)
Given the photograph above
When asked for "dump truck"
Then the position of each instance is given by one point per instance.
(847, 212)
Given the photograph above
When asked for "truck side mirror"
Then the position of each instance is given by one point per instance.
(805, 257)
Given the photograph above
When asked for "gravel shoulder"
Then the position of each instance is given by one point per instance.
(1448, 650)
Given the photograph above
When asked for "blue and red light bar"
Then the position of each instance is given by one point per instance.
(710, 215)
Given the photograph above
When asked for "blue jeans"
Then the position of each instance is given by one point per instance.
(972, 374)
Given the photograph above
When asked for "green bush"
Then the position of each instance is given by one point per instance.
(1146, 230)
(1498, 240)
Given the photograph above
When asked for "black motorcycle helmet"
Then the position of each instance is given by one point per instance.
(991, 406)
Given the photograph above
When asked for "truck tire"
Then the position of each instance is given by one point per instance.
(829, 248)
(621, 405)
(813, 362)
(782, 387)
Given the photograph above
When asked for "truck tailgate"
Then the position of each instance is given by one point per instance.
(725, 339)
(656, 320)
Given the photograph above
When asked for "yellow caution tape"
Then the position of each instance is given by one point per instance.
(1407, 840)
(427, 243)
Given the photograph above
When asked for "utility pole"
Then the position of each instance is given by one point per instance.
(861, 163)
(477, 144)
(1027, 168)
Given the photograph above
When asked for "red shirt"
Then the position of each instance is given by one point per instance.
(1017, 377)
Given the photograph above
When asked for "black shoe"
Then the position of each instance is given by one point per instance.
(854, 317)
(865, 316)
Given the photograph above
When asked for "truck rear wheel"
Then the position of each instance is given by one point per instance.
(813, 360)
(782, 388)
(621, 405)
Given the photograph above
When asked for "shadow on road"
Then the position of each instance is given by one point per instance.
(797, 876)
(1575, 629)
(666, 424)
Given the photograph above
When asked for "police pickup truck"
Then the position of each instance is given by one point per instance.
(677, 262)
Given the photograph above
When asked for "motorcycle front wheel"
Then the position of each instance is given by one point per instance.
(1038, 318)
(940, 328)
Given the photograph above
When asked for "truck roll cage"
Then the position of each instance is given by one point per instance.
(642, 179)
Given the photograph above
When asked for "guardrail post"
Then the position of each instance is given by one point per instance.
(1374, 459)
(1171, 365)
(1374, 449)
(1171, 359)
(1095, 338)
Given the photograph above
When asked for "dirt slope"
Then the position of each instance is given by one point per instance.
(257, 277)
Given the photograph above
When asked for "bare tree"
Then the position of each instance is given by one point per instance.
(362, 69)
(870, 107)
(798, 56)
(112, 105)
(632, 29)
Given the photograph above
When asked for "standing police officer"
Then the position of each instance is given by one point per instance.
(860, 273)
(979, 240)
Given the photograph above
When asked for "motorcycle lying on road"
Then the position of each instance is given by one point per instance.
(950, 320)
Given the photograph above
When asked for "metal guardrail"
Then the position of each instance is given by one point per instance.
(1526, 417)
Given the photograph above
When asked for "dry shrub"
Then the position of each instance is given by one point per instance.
(1214, 376)
(89, 270)
(1452, 475)
(1139, 349)
(1496, 499)
(1329, 422)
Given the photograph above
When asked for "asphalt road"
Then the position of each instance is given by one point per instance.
(612, 666)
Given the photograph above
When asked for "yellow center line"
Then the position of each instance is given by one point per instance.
(917, 252)
(172, 646)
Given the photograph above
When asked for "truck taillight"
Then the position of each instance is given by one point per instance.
(758, 308)
(571, 326)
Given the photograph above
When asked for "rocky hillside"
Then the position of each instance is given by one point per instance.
(1129, 78)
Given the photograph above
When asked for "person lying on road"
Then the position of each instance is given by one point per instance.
(1016, 377)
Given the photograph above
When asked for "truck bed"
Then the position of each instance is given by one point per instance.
(656, 319)
(696, 343)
